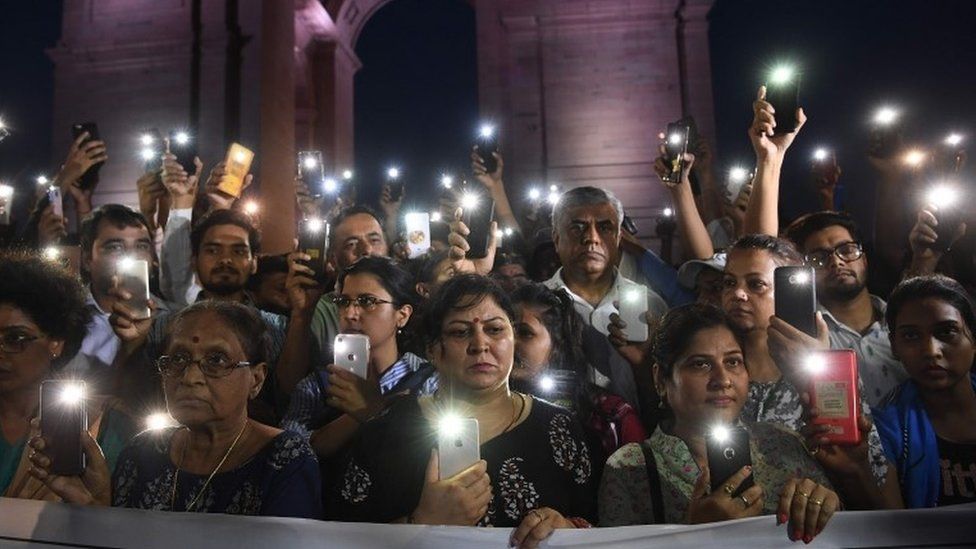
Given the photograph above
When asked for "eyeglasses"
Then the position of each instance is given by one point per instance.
(848, 251)
(364, 302)
(13, 343)
(212, 365)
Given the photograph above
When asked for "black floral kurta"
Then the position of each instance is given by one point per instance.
(542, 462)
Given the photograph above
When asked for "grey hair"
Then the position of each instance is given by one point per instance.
(585, 196)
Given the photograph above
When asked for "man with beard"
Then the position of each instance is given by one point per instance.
(586, 225)
(832, 245)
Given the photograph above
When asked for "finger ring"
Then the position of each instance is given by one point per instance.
(815, 451)
(535, 513)
(816, 501)
(802, 493)
(728, 489)
(744, 500)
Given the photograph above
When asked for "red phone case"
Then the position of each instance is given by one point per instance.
(833, 390)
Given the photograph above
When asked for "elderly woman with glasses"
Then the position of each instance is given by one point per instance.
(216, 459)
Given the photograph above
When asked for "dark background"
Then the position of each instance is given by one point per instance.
(416, 106)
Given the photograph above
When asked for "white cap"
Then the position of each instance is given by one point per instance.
(688, 272)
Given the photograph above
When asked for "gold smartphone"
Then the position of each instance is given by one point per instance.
(238, 163)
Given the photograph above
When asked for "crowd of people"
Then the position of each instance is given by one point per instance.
(579, 423)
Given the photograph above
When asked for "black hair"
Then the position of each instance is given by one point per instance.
(459, 293)
(783, 251)
(119, 216)
(346, 213)
(800, 230)
(244, 322)
(508, 258)
(394, 279)
(678, 327)
(937, 286)
(214, 218)
(267, 264)
(425, 266)
(51, 296)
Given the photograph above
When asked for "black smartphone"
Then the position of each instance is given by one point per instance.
(694, 139)
(90, 178)
(396, 189)
(675, 147)
(183, 146)
(153, 149)
(783, 93)
(313, 240)
(487, 145)
(796, 297)
(63, 418)
(311, 170)
(727, 450)
(478, 220)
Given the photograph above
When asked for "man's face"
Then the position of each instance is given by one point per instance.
(112, 244)
(357, 236)
(587, 240)
(224, 261)
(837, 280)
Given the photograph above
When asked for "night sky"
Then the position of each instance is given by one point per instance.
(417, 106)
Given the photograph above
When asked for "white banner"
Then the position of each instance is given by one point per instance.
(24, 522)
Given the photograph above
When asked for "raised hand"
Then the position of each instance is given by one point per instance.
(720, 505)
(460, 500)
(460, 247)
(764, 142)
(93, 487)
(491, 181)
(181, 186)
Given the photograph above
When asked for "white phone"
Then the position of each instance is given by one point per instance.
(632, 307)
(418, 233)
(54, 196)
(6, 203)
(351, 352)
(458, 447)
(134, 278)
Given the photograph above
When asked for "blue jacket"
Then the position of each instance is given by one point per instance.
(910, 443)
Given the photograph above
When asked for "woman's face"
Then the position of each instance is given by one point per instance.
(477, 346)
(193, 399)
(933, 342)
(747, 294)
(380, 323)
(24, 370)
(709, 382)
(533, 344)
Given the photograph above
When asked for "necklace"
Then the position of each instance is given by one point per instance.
(176, 474)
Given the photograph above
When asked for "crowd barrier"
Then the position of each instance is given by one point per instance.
(26, 523)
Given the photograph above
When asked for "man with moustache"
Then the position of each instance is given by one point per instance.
(586, 224)
(832, 245)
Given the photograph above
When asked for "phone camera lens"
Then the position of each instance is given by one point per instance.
(729, 453)
(458, 443)
(351, 357)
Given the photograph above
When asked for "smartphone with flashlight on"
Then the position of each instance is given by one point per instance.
(395, 184)
(313, 240)
(945, 201)
(477, 216)
(152, 151)
(351, 353)
(796, 297)
(833, 391)
(675, 147)
(133, 277)
(488, 145)
(885, 137)
(57, 203)
(417, 227)
(6, 204)
(558, 386)
(63, 417)
(458, 445)
(182, 145)
(727, 450)
(90, 177)
(311, 170)
(783, 93)
(236, 165)
(632, 306)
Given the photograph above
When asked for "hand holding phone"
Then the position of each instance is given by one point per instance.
(351, 353)
(417, 227)
(183, 146)
(64, 416)
(478, 211)
(311, 170)
(90, 178)
(728, 451)
(313, 240)
(487, 145)
(458, 445)
(57, 203)
(675, 146)
(133, 277)
(783, 93)
(237, 163)
(833, 391)
(632, 309)
(796, 297)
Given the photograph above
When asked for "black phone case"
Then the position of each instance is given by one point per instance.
(726, 458)
(487, 146)
(785, 100)
(90, 178)
(675, 152)
(313, 177)
(314, 244)
(61, 427)
(796, 302)
(479, 223)
(396, 190)
(184, 153)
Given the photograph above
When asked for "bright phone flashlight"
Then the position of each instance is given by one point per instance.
(315, 225)
(126, 264)
(487, 130)
(310, 162)
(72, 394)
(942, 196)
(469, 201)
(240, 156)
(251, 207)
(147, 154)
(509, 231)
(738, 174)
(535, 194)
(42, 180)
(720, 433)
(450, 424)
(6, 192)
(330, 185)
(159, 420)
(953, 139)
(435, 216)
(675, 139)
(146, 139)
(447, 181)
(820, 154)
(182, 138)
(393, 173)
(914, 158)
(51, 253)
(668, 212)
(499, 233)
(547, 383)
(885, 116)
(781, 75)
(633, 295)
(814, 364)
(800, 277)
(347, 174)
